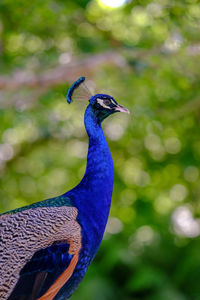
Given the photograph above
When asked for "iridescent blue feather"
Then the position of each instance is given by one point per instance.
(74, 86)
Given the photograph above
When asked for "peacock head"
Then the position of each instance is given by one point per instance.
(102, 105)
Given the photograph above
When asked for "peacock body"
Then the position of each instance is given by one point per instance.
(46, 247)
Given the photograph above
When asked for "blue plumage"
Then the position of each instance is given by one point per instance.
(74, 86)
(71, 226)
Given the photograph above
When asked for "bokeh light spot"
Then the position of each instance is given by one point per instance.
(178, 192)
(145, 234)
(184, 222)
(114, 225)
(113, 3)
(172, 145)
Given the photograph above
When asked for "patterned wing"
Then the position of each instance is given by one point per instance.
(41, 271)
(39, 250)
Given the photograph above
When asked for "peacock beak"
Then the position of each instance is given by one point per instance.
(122, 109)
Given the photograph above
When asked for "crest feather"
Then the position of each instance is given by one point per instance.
(78, 91)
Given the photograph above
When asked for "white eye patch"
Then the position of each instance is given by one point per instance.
(101, 102)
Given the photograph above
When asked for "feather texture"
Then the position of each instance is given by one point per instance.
(24, 233)
(79, 91)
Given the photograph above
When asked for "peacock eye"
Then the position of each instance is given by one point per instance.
(107, 102)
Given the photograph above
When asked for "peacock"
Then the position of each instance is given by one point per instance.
(47, 247)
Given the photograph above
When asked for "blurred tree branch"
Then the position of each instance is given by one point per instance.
(86, 65)
(70, 72)
(60, 74)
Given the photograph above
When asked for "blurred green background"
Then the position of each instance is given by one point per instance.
(147, 55)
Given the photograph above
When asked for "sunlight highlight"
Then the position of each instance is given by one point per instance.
(113, 3)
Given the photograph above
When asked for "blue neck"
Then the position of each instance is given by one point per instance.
(99, 160)
(92, 196)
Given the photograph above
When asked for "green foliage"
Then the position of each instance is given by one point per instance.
(151, 249)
